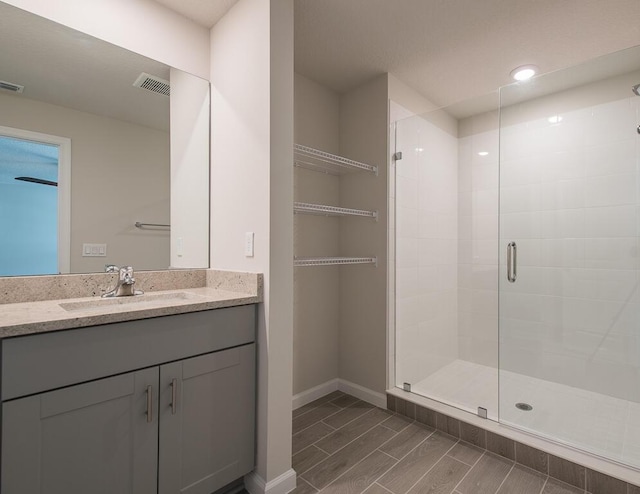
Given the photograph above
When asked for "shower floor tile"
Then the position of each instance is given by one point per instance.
(383, 453)
(597, 423)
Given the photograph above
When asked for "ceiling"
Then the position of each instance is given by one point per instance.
(447, 50)
(64, 67)
(452, 50)
(204, 12)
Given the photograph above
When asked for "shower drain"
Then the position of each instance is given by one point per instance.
(524, 406)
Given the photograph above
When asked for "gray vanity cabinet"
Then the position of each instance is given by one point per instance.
(92, 437)
(197, 454)
(168, 409)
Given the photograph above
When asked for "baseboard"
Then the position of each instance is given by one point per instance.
(365, 394)
(283, 484)
(301, 399)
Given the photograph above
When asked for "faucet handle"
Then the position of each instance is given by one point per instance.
(126, 275)
(111, 268)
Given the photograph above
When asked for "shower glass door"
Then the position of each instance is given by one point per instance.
(569, 297)
(445, 227)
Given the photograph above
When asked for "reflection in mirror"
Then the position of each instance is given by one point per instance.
(91, 144)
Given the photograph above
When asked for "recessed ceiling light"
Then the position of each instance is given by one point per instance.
(555, 119)
(483, 153)
(419, 150)
(524, 72)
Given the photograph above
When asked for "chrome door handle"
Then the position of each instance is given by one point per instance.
(149, 404)
(174, 393)
(512, 262)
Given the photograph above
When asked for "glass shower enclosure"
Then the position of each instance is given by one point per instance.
(517, 222)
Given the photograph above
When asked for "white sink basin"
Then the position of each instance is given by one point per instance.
(135, 301)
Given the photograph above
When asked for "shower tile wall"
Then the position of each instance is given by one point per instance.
(478, 240)
(426, 247)
(570, 192)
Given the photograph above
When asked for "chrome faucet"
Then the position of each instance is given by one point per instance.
(124, 285)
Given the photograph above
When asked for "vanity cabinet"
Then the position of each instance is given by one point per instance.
(92, 437)
(182, 425)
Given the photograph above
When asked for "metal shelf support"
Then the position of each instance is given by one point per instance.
(321, 209)
(314, 159)
(333, 261)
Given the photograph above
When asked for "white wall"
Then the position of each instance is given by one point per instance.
(119, 174)
(570, 200)
(252, 191)
(142, 26)
(363, 288)
(190, 133)
(316, 289)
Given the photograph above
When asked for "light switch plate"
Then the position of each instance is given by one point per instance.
(248, 244)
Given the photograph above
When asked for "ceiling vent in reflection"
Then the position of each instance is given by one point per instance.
(153, 84)
(10, 86)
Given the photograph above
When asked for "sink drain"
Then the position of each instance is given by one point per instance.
(524, 407)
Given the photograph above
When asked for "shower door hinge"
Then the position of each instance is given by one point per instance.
(482, 413)
(397, 156)
(407, 387)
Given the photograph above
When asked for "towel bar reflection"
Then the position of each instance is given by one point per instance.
(152, 225)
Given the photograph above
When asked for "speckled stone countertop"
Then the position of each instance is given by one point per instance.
(202, 290)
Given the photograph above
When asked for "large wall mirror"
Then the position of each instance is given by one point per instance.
(104, 154)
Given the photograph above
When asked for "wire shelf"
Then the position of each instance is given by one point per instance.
(324, 210)
(332, 261)
(316, 160)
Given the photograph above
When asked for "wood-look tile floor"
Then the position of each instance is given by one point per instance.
(342, 445)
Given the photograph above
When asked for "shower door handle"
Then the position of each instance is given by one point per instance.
(512, 262)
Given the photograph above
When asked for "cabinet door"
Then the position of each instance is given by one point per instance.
(90, 438)
(207, 421)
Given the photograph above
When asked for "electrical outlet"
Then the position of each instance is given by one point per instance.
(94, 250)
(248, 244)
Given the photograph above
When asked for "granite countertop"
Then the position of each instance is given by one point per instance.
(223, 289)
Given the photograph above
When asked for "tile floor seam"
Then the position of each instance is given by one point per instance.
(544, 484)
(324, 451)
(324, 423)
(380, 485)
(385, 472)
(431, 468)
(388, 428)
(457, 459)
(406, 425)
(347, 423)
(317, 421)
(314, 408)
(354, 439)
(305, 471)
(506, 477)
(384, 453)
(349, 469)
(468, 471)
(411, 450)
(309, 482)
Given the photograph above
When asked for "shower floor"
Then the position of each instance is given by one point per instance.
(597, 423)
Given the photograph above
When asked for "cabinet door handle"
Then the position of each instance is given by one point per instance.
(174, 395)
(149, 403)
(512, 262)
